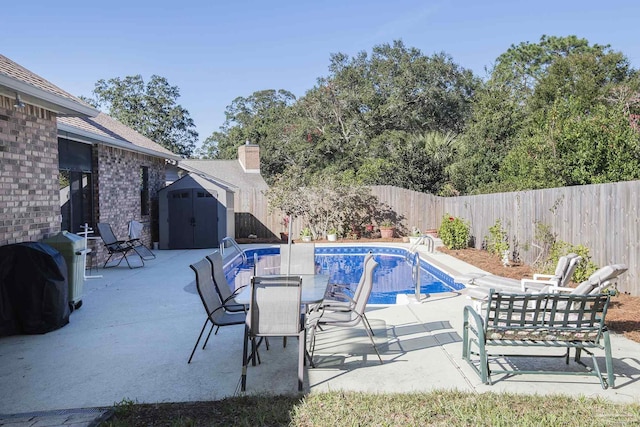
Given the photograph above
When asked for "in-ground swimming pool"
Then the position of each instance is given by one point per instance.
(343, 264)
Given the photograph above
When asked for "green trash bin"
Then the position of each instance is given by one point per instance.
(71, 246)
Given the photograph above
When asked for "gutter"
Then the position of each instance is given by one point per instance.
(33, 95)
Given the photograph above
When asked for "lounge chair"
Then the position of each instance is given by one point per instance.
(274, 311)
(598, 282)
(115, 246)
(541, 282)
(347, 317)
(222, 285)
(211, 302)
(135, 232)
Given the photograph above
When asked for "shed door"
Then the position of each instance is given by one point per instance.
(193, 219)
(205, 214)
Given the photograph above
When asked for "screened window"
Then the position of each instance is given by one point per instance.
(144, 190)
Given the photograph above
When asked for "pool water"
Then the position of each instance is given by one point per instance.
(344, 266)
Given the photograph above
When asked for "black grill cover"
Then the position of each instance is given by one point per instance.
(33, 289)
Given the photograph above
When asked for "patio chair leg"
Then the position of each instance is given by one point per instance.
(302, 349)
(611, 379)
(115, 265)
(255, 356)
(312, 344)
(208, 335)
(373, 343)
(366, 323)
(245, 361)
(107, 261)
(199, 336)
(578, 353)
(124, 255)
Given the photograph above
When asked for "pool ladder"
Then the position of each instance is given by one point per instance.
(232, 243)
(413, 258)
(427, 240)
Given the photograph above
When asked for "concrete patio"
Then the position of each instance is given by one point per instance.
(132, 337)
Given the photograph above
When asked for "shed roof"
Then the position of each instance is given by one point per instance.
(226, 171)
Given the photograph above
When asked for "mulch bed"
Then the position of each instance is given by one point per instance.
(624, 311)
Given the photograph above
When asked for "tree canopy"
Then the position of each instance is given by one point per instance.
(557, 112)
(151, 109)
(553, 113)
(368, 121)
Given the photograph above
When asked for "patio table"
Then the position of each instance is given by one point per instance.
(314, 287)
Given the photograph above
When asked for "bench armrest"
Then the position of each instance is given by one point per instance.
(477, 325)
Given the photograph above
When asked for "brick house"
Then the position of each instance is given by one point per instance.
(63, 163)
(114, 175)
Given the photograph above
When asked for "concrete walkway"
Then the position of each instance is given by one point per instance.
(132, 337)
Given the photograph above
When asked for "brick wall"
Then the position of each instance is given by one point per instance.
(29, 189)
(117, 192)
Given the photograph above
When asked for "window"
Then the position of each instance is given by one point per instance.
(76, 185)
(144, 190)
(76, 200)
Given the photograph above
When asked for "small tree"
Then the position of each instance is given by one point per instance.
(287, 193)
(326, 203)
(497, 240)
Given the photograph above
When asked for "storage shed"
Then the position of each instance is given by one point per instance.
(195, 212)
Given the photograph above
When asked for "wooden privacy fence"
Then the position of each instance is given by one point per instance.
(602, 217)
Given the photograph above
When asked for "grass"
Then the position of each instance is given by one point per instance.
(439, 408)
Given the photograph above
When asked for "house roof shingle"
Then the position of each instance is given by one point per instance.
(35, 88)
(105, 128)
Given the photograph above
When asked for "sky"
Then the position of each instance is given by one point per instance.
(215, 51)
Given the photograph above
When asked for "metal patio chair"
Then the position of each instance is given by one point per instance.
(211, 302)
(115, 246)
(299, 260)
(274, 311)
(222, 285)
(348, 317)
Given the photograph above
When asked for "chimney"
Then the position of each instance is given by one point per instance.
(249, 157)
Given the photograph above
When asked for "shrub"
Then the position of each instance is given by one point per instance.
(585, 267)
(454, 232)
(497, 241)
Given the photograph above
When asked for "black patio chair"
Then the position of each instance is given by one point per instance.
(216, 313)
(115, 246)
